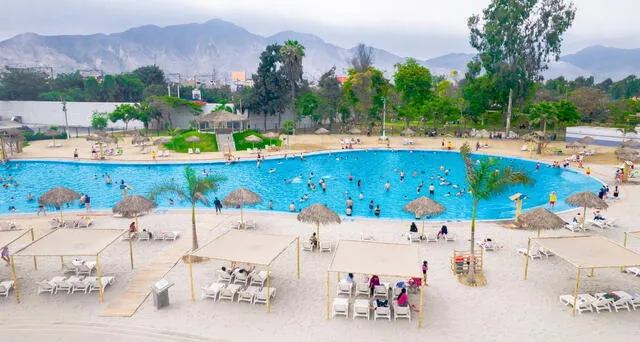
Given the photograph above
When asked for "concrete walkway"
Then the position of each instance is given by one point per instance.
(225, 142)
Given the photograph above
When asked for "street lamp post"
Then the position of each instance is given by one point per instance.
(66, 120)
(384, 118)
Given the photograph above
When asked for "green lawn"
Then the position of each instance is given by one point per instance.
(242, 145)
(207, 142)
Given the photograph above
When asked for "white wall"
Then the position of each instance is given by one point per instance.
(605, 136)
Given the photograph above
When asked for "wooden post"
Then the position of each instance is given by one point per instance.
(131, 250)
(318, 233)
(328, 277)
(35, 262)
(298, 251)
(626, 235)
(526, 259)
(575, 292)
(15, 279)
(193, 295)
(268, 289)
(62, 262)
(592, 272)
(99, 274)
(241, 218)
(421, 304)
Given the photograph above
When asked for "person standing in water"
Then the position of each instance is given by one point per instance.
(553, 198)
(387, 186)
(432, 189)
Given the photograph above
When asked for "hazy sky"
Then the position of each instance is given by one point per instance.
(417, 28)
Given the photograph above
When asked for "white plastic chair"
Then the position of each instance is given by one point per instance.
(5, 287)
(401, 312)
(250, 224)
(190, 151)
(229, 292)
(306, 246)
(340, 307)
(212, 291)
(248, 294)
(261, 297)
(361, 308)
(432, 237)
(325, 246)
(258, 278)
(381, 291)
(344, 288)
(382, 312)
(224, 277)
(363, 289)
(241, 278)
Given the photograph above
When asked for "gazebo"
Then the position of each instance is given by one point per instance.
(246, 247)
(221, 120)
(585, 252)
(385, 259)
(70, 243)
(8, 237)
(627, 235)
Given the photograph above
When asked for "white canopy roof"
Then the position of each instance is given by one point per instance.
(72, 242)
(590, 251)
(380, 258)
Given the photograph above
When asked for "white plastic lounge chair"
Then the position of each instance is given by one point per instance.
(583, 302)
(533, 253)
(229, 292)
(344, 288)
(144, 236)
(46, 286)
(432, 237)
(258, 278)
(414, 237)
(61, 284)
(382, 312)
(5, 287)
(249, 150)
(241, 278)
(573, 226)
(601, 304)
(401, 312)
(381, 291)
(85, 269)
(167, 153)
(69, 268)
(634, 302)
(212, 291)
(363, 289)
(450, 237)
(224, 277)
(170, 236)
(325, 246)
(306, 246)
(633, 270)
(340, 307)
(248, 294)
(93, 283)
(190, 151)
(545, 252)
(361, 308)
(53, 224)
(235, 225)
(622, 303)
(261, 297)
(250, 224)
(70, 224)
(197, 150)
(80, 286)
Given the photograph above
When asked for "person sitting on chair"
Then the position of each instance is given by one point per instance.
(443, 232)
(597, 216)
(313, 240)
(413, 228)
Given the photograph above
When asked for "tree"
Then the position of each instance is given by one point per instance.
(146, 113)
(195, 190)
(590, 102)
(516, 39)
(93, 90)
(487, 179)
(366, 92)
(567, 112)
(23, 84)
(362, 58)
(543, 113)
(329, 95)
(125, 113)
(307, 106)
(478, 94)
(99, 120)
(292, 53)
(413, 83)
(168, 106)
(269, 85)
(149, 75)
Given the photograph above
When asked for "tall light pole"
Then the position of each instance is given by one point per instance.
(66, 120)
(384, 118)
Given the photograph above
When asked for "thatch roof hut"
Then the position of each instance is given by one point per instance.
(322, 130)
(318, 214)
(239, 198)
(422, 207)
(57, 197)
(539, 219)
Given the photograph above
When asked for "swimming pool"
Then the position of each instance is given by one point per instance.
(285, 181)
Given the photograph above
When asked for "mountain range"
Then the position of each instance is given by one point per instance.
(219, 47)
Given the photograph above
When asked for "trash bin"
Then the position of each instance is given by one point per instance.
(459, 264)
(161, 293)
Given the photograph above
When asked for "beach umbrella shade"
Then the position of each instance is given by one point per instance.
(57, 197)
(92, 138)
(586, 199)
(355, 131)
(322, 130)
(408, 131)
(193, 139)
(318, 214)
(422, 207)
(134, 206)
(52, 133)
(574, 144)
(239, 198)
(139, 139)
(271, 135)
(587, 140)
(100, 133)
(540, 219)
(627, 153)
(253, 139)
(631, 143)
(161, 141)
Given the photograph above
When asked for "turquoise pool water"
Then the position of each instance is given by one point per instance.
(285, 181)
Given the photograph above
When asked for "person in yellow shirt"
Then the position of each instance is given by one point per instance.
(553, 198)
(588, 170)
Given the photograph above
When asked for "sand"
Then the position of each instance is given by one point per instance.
(508, 308)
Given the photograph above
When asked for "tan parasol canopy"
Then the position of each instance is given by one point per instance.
(408, 131)
(322, 131)
(100, 133)
(575, 144)
(161, 141)
(587, 140)
(422, 207)
(318, 214)
(355, 131)
(271, 135)
(539, 219)
(57, 197)
(586, 199)
(626, 153)
(192, 139)
(92, 138)
(239, 198)
(139, 139)
(253, 138)
(134, 206)
(631, 143)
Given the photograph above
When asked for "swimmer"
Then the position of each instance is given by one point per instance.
(292, 207)
(350, 177)
(270, 205)
(441, 167)
(359, 183)
(415, 173)
(418, 189)
(448, 193)
(445, 183)
(455, 186)
(459, 193)
(171, 201)
(432, 189)
(311, 175)
(361, 196)
(108, 180)
(30, 197)
(387, 186)
(313, 187)
(402, 176)
(371, 205)
(446, 172)
(272, 170)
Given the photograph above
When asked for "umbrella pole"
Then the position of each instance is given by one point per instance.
(193, 296)
(584, 217)
(15, 279)
(131, 252)
(575, 291)
(526, 259)
(268, 289)
(241, 217)
(421, 304)
(61, 217)
(35, 262)
(422, 234)
(318, 231)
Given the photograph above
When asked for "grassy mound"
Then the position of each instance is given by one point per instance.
(207, 142)
(242, 145)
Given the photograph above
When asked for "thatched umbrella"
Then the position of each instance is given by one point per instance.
(100, 133)
(574, 144)
(539, 219)
(355, 131)
(586, 199)
(253, 139)
(318, 214)
(626, 153)
(193, 139)
(408, 131)
(161, 141)
(322, 130)
(57, 197)
(587, 140)
(271, 135)
(53, 134)
(422, 207)
(92, 138)
(134, 206)
(139, 139)
(630, 143)
(240, 197)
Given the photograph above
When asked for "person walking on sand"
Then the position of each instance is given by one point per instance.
(218, 205)
(4, 253)
(75, 154)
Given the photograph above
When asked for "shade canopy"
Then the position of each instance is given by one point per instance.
(58, 196)
(590, 251)
(322, 131)
(93, 138)
(246, 247)
(355, 131)
(72, 242)
(271, 135)
(424, 206)
(192, 139)
(587, 140)
(52, 133)
(380, 258)
(161, 141)
(253, 138)
(133, 206)
(318, 214)
(627, 153)
(540, 219)
(240, 197)
(220, 116)
(631, 143)
(586, 199)
(100, 133)
(408, 131)
(139, 139)
(575, 144)
(8, 237)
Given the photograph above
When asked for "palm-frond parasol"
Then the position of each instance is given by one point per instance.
(53, 134)
(100, 133)
(322, 130)
(134, 206)
(193, 139)
(57, 197)
(355, 131)
(161, 141)
(586, 199)
(240, 197)
(630, 143)
(422, 207)
(626, 153)
(92, 138)
(139, 139)
(318, 214)
(587, 140)
(539, 219)
(271, 135)
(253, 139)
(574, 144)
(408, 131)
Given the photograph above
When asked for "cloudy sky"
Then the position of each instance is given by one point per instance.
(417, 28)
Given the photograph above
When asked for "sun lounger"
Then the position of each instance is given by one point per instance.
(583, 302)
(306, 246)
(144, 236)
(258, 278)
(450, 237)
(5, 287)
(381, 291)
(601, 304)
(633, 270)
(573, 226)
(414, 237)
(545, 252)
(235, 225)
(261, 297)
(621, 303)
(93, 283)
(340, 307)
(79, 286)
(70, 224)
(248, 294)
(69, 268)
(224, 277)
(250, 224)
(212, 291)
(363, 289)
(635, 302)
(361, 308)
(241, 278)
(401, 312)
(229, 292)
(432, 237)
(382, 312)
(325, 246)
(168, 236)
(533, 253)
(46, 286)
(53, 224)
(190, 151)
(85, 269)
(61, 283)
(344, 288)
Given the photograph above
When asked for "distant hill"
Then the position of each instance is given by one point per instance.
(193, 49)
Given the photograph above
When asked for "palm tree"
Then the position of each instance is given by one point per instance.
(486, 179)
(292, 53)
(543, 113)
(195, 191)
